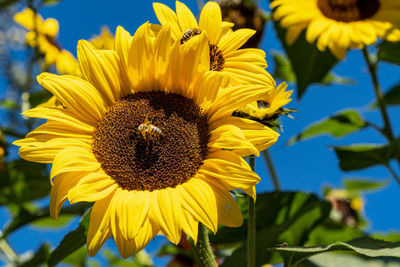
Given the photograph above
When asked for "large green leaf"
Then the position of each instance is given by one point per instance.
(309, 64)
(366, 246)
(391, 97)
(341, 259)
(284, 71)
(389, 52)
(339, 125)
(280, 217)
(360, 156)
(71, 242)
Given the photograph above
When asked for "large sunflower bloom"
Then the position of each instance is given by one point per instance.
(243, 66)
(339, 24)
(147, 135)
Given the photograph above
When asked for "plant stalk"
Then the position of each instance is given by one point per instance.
(272, 172)
(203, 248)
(251, 227)
(387, 130)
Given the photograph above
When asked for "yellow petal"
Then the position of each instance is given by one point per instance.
(102, 69)
(166, 211)
(229, 169)
(99, 226)
(197, 198)
(206, 89)
(210, 21)
(75, 94)
(250, 55)
(92, 187)
(27, 19)
(167, 16)
(231, 137)
(235, 40)
(58, 129)
(234, 98)
(73, 159)
(59, 190)
(63, 116)
(50, 27)
(185, 17)
(189, 225)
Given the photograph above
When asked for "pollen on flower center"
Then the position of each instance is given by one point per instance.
(348, 10)
(217, 60)
(137, 157)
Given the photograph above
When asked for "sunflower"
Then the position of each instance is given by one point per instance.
(339, 24)
(105, 40)
(243, 66)
(147, 135)
(43, 35)
(270, 104)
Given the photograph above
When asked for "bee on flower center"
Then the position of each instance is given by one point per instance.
(148, 131)
(189, 33)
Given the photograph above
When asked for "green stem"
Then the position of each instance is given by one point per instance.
(397, 178)
(6, 249)
(203, 248)
(387, 130)
(272, 171)
(251, 227)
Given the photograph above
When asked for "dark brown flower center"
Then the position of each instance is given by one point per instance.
(216, 58)
(262, 104)
(348, 10)
(151, 140)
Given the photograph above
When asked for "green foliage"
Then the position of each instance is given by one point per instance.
(141, 259)
(9, 104)
(23, 181)
(71, 242)
(392, 97)
(309, 64)
(291, 217)
(366, 246)
(389, 52)
(341, 259)
(7, 3)
(339, 125)
(360, 156)
(284, 71)
(363, 184)
(38, 258)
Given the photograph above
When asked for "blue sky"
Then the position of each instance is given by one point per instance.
(306, 166)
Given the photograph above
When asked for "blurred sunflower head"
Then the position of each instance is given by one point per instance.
(147, 135)
(339, 24)
(43, 35)
(105, 40)
(242, 66)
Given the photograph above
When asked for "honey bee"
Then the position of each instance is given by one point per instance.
(189, 33)
(148, 131)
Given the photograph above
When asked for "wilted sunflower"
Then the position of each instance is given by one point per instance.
(43, 35)
(148, 136)
(243, 66)
(339, 24)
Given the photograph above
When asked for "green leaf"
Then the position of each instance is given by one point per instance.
(341, 259)
(9, 104)
(51, 2)
(38, 258)
(339, 125)
(290, 219)
(141, 259)
(77, 258)
(309, 64)
(71, 242)
(283, 68)
(391, 97)
(25, 216)
(22, 181)
(39, 97)
(389, 52)
(332, 78)
(365, 246)
(363, 184)
(360, 156)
